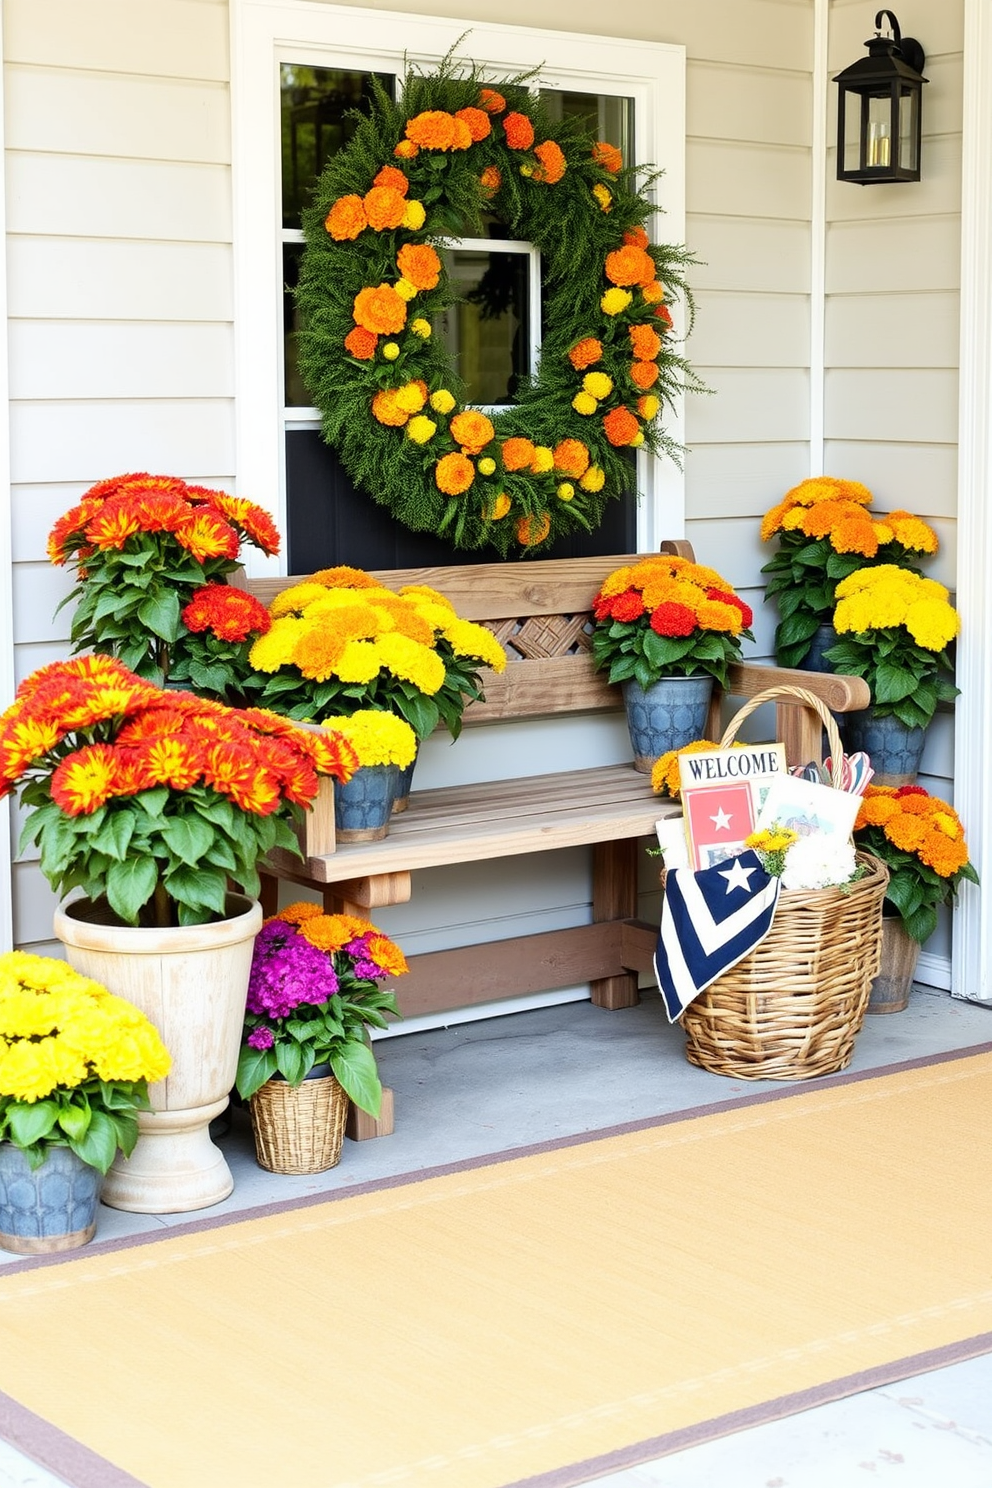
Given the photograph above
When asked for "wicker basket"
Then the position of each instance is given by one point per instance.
(299, 1128)
(793, 1007)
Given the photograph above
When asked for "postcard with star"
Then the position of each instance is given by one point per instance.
(722, 793)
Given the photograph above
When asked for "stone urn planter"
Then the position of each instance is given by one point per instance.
(191, 982)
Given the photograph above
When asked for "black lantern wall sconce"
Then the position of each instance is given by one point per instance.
(879, 109)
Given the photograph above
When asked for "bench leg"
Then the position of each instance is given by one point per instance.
(614, 897)
(268, 894)
(361, 1126)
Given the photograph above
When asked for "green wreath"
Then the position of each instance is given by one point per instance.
(420, 171)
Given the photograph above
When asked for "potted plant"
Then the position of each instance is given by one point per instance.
(894, 628)
(75, 1063)
(312, 996)
(825, 532)
(383, 745)
(221, 622)
(152, 805)
(921, 841)
(667, 628)
(140, 547)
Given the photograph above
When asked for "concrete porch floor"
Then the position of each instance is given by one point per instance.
(486, 1086)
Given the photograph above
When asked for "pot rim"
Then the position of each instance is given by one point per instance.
(72, 928)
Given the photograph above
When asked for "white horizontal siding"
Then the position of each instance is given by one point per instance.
(746, 180)
(98, 197)
(72, 440)
(749, 255)
(918, 405)
(917, 477)
(893, 330)
(124, 359)
(750, 406)
(748, 478)
(734, 329)
(69, 278)
(177, 38)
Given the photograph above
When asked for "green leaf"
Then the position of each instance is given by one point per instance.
(200, 888)
(355, 1067)
(255, 1066)
(290, 1062)
(891, 683)
(130, 885)
(797, 629)
(74, 1121)
(98, 1147)
(160, 613)
(114, 836)
(188, 837)
(31, 1122)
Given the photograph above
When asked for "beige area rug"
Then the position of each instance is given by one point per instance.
(541, 1318)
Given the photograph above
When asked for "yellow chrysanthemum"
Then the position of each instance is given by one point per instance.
(391, 351)
(421, 428)
(603, 195)
(414, 216)
(410, 398)
(594, 479)
(359, 662)
(543, 460)
(598, 384)
(912, 532)
(614, 301)
(566, 491)
(487, 466)
(421, 328)
(475, 643)
(411, 662)
(442, 401)
(405, 289)
(294, 600)
(585, 404)
(379, 738)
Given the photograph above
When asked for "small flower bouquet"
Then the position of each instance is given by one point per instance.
(75, 1063)
(817, 860)
(155, 801)
(340, 642)
(141, 547)
(921, 841)
(895, 628)
(668, 617)
(312, 995)
(825, 532)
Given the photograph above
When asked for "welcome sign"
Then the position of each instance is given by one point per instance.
(723, 791)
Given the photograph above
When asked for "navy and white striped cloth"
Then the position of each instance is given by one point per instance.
(709, 922)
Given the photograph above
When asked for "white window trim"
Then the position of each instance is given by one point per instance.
(7, 567)
(972, 924)
(262, 34)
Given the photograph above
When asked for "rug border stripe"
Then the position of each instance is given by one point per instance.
(486, 1160)
(764, 1414)
(57, 1451)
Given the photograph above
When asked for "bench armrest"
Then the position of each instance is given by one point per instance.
(798, 727)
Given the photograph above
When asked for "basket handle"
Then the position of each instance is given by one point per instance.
(798, 695)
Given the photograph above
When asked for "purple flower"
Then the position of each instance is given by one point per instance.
(261, 1038)
(367, 971)
(286, 970)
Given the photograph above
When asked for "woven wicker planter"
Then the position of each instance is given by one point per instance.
(299, 1128)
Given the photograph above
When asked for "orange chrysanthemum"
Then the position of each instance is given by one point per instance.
(346, 219)
(380, 310)
(490, 180)
(553, 165)
(571, 457)
(361, 343)
(491, 101)
(393, 178)
(434, 130)
(298, 911)
(629, 265)
(406, 150)
(384, 207)
(386, 410)
(501, 505)
(645, 341)
(608, 156)
(171, 761)
(112, 526)
(517, 453)
(477, 122)
(343, 576)
(585, 353)
(473, 431)
(636, 237)
(620, 426)
(454, 474)
(84, 781)
(419, 263)
(205, 534)
(644, 374)
(533, 529)
(519, 131)
(387, 955)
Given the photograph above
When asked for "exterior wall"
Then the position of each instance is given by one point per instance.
(120, 284)
(892, 318)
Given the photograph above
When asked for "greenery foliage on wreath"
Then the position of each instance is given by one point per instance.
(423, 170)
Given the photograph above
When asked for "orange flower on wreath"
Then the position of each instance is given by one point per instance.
(645, 341)
(490, 180)
(346, 219)
(392, 177)
(476, 121)
(644, 375)
(406, 150)
(419, 263)
(454, 474)
(491, 101)
(386, 410)
(533, 529)
(620, 426)
(636, 237)
(361, 343)
(519, 131)
(437, 130)
(608, 156)
(384, 207)
(585, 353)
(629, 265)
(473, 431)
(517, 453)
(553, 164)
(571, 457)
(380, 310)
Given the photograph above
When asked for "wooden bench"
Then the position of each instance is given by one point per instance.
(540, 611)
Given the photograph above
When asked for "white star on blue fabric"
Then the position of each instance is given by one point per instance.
(738, 877)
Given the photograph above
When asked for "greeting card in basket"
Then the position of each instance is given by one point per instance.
(723, 792)
(807, 808)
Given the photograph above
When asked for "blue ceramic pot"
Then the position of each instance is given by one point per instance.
(404, 784)
(362, 807)
(823, 638)
(666, 715)
(50, 1208)
(894, 749)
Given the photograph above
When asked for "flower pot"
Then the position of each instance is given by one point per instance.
(299, 1128)
(823, 638)
(50, 1208)
(362, 808)
(895, 750)
(404, 784)
(191, 982)
(668, 714)
(900, 952)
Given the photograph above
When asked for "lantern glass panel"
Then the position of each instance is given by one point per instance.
(852, 104)
(879, 134)
(909, 103)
